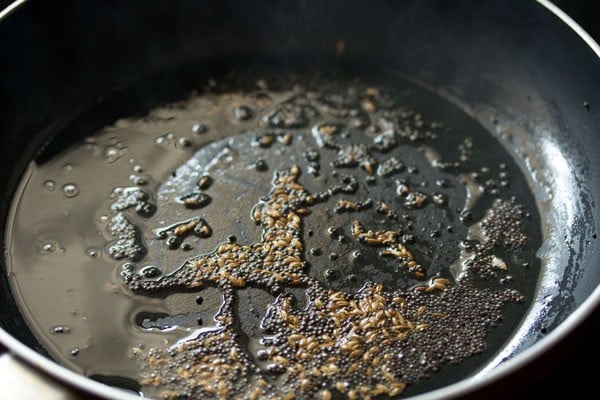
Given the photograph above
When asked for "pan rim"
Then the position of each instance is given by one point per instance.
(570, 22)
(460, 388)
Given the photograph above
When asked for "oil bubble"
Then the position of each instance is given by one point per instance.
(93, 253)
(334, 232)
(261, 165)
(162, 140)
(48, 248)
(242, 113)
(150, 272)
(356, 254)
(183, 143)
(60, 329)
(172, 242)
(315, 251)
(127, 269)
(70, 190)
(199, 128)
(331, 274)
(138, 180)
(50, 185)
(113, 153)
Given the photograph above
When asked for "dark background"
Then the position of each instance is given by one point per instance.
(566, 369)
(585, 12)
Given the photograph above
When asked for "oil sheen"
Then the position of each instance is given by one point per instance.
(290, 236)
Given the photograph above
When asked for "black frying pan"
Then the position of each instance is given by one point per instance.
(508, 64)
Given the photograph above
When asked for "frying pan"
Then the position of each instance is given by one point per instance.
(514, 66)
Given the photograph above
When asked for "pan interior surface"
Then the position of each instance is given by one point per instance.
(491, 60)
(403, 198)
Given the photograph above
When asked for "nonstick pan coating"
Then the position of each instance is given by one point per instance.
(503, 63)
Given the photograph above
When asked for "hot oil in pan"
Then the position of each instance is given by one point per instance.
(305, 237)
